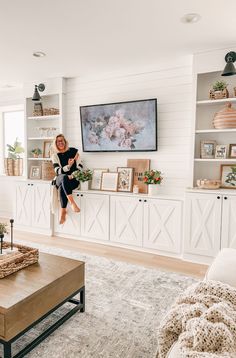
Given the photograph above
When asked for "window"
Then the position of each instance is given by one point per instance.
(11, 127)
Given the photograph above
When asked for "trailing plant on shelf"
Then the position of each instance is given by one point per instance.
(15, 150)
(36, 152)
(219, 85)
(152, 177)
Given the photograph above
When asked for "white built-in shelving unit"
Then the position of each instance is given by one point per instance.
(204, 130)
(42, 129)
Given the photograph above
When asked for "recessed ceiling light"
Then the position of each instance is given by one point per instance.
(191, 18)
(39, 54)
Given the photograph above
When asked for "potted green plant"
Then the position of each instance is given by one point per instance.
(152, 178)
(219, 90)
(83, 176)
(36, 152)
(14, 162)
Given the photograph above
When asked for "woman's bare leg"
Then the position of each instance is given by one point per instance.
(73, 204)
(63, 216)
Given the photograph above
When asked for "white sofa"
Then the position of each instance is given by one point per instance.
(222, 269)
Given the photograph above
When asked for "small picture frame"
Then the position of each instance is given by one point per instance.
(97, 178)
(109, 181)
(221, 151)
(47, 144)
(232, 151)
(35, 172)
(38, 109)
(125, 178)
(208, 148)
(228, 176)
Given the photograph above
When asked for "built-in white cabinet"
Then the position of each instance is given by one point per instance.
(72, 225)
(210, 223)
(93, 220)
(32, 206)
(162, 225)
(149, 223)
(126, 222)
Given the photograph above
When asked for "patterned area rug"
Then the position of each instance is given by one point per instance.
(124, 306)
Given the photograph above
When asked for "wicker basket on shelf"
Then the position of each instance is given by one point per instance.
(218, 94)
(13, 167)
(48, 172)
(50, 111)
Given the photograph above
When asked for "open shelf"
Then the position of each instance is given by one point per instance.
(39, 158)
(40, 138)
(216, 101)
(228, 130)
(228, 160)
(44, 118)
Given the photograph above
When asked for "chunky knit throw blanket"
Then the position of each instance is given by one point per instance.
(203, 320)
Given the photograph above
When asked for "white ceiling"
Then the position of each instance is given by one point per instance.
(83, 37)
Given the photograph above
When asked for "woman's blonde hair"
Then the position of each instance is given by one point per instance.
(54, 144)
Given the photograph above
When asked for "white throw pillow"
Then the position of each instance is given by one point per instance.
(223, 268)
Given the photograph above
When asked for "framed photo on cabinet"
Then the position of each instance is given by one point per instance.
(140, 166)
(47, 144)
(125, 178)
(208, 148)
(228, 176)
(109, 181)
(221, 151)
(35, 172)
(232, 151)
(97, 178)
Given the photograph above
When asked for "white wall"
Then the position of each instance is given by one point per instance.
(173, 89)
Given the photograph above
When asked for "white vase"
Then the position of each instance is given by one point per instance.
(84, 185)
(152, 189)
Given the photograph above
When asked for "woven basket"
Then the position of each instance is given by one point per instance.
(48, 172)
(218, 94)
(12, 263)
(13, 167)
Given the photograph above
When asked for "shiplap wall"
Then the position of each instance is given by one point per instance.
(173, 89)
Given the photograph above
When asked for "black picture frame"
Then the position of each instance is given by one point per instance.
(95, 119)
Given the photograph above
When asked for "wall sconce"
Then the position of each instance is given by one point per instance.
(37, 88)
(229, 69)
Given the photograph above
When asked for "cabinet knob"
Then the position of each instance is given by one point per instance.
(77, 194)
(145, 200)
(140, 200)
(218, 197)
(29, 184)
(81, 195)
(225, 197)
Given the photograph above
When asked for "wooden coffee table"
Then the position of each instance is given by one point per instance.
(30, 295)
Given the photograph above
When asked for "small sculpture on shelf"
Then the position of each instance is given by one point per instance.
(219, 90)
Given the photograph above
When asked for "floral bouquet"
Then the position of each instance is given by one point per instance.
(152, 177)
(82, 175)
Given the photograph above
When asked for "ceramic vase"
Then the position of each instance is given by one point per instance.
(152, 189)
(84, 185)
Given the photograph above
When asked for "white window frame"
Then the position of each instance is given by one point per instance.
(4, 109)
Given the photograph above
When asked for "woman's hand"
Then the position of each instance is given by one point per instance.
(71, 162)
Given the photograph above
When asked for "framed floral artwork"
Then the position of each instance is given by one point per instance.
(125, 178)
(119, 127)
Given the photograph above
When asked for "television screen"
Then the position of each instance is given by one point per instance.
(119, 127)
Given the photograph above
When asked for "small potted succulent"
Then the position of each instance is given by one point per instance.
(36, 152)
(83, 176)
(219, 90)
(152, 178)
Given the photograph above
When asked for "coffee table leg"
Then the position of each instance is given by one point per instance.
(7, 350)
(82, 299)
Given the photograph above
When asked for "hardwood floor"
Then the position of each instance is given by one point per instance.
(121, 254)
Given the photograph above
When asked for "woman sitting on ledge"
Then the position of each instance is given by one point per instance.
(65, 161)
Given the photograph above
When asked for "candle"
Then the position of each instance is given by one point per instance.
(11, 221)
